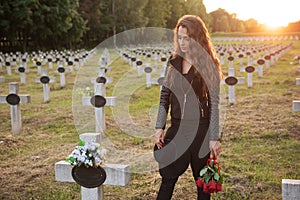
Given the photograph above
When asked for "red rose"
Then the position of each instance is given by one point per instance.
(199, 182)
(205, 188)
(219, 187)
(212, 186)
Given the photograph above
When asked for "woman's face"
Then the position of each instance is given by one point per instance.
(183, 39)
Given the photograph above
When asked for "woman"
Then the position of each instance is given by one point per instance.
(191, 89)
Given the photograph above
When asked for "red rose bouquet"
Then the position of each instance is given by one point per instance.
(210, 177)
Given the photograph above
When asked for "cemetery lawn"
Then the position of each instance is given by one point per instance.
(260, 140)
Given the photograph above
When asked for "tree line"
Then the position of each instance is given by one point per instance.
(43, 24)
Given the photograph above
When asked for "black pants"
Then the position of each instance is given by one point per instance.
(171, 172)
(167, 188)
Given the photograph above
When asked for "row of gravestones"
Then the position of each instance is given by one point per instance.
(14, 99)
(116, 174)
(260, 62)
(135, 57)
(256, 38)
(40, 61)
(290, 188)
(147, 61)
(250, 52)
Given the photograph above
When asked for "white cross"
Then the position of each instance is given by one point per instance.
(290, 189)
(148, 71)
(296, 106)
(99, 101)
(116, 174)
(61, 70)
(8, 68)
(45, 80)
(14, 100)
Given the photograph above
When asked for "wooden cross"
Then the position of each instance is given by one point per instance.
(14, 100)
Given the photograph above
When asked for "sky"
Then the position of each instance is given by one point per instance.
(273, 13)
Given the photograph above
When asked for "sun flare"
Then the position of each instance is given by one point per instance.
(273, 14)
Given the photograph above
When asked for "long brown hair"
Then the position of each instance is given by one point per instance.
(202, 53)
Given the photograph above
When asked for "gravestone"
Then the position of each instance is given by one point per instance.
(22, 71)
(14, 100)
(133, 63)
(290, 189)
(99, 101)
(45, 80)
(139, 63)
(8, 68)
(148, 71)
(231, 81)
(50, 62)
(1, 60)
(297, 81)
(116, 174)
(267, 59)
(260, 70)
(231, 59)
(249, 70)
(62, 78)
(39, 67)
(240, 56)
(2, 79)
(249, 58)
(296, 106)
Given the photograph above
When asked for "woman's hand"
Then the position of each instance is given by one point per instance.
(159, 138)
(215, 148)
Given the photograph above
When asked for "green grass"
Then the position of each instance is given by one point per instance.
(260, 144)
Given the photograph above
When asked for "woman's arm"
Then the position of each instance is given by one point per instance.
(163, 108)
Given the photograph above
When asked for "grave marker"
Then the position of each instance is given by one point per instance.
(8, 68)
(14, 100)
(148, 71)
(62, 78)
(99, 101)
(290, 189)
(241, 58)
(39, 67)
(118, 175)
(231, 81)
(249, 70)
(1, 60)
(296, 106)
(267, 59)
(139, 64)
(45, 80)
(2, 79)
(260, 63)
(50, 64)
(297, 81)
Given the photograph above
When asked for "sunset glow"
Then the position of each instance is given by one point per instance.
(269, 12)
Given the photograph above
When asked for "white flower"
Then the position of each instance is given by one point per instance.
(89, 155)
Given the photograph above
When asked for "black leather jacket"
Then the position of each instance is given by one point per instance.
(187, 103)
